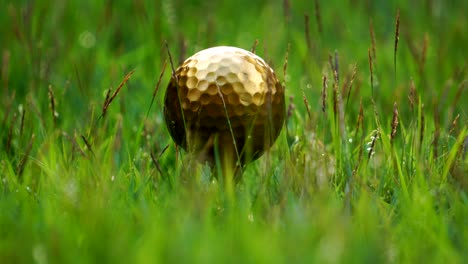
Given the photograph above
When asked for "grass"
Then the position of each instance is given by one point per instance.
(371, 165)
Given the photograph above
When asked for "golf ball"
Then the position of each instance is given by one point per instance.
(226, 98)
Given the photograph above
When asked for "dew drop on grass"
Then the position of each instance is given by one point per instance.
(87, 39)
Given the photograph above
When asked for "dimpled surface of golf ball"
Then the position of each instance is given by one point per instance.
(223, 94)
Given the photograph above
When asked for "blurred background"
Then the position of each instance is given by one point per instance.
(81, 48)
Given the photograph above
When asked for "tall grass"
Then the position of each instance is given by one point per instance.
(370, 167)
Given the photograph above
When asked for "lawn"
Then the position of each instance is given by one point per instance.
(371, 165)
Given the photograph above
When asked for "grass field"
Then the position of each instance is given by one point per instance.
(371, 166)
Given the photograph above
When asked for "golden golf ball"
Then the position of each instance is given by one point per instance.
(224, 100)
